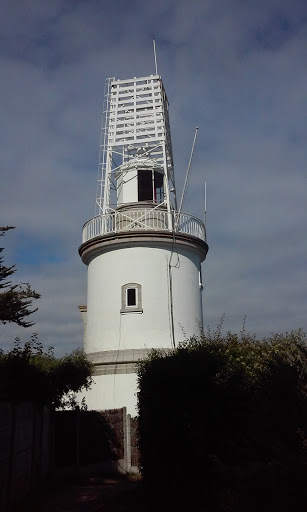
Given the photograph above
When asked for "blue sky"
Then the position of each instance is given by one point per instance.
(235, 68)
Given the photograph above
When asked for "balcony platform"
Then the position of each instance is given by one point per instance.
(132, 218)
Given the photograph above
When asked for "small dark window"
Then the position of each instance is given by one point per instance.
(131, 297)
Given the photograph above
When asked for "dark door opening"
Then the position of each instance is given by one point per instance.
(144, 185)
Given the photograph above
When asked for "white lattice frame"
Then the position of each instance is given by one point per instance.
(136, 115)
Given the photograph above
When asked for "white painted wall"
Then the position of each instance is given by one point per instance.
(112, 392)
(128, 187)
(108, 329)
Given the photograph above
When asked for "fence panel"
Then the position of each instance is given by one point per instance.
(22, 451)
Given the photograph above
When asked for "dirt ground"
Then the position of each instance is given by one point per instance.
(86, 494)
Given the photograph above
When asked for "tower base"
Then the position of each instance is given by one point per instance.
(112, 391)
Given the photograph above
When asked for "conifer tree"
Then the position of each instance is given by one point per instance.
(15, 299)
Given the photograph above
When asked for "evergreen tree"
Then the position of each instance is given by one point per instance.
(15, 299)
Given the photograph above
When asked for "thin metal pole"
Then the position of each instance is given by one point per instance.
(155, 54)
(187, 174)
(205, 208)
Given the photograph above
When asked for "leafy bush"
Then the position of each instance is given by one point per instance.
(220, 400)
(34, 374)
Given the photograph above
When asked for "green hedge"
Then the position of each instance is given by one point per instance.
(220, 401)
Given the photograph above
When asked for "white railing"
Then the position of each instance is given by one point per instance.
(143, 219)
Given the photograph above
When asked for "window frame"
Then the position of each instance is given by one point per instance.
(137, 307)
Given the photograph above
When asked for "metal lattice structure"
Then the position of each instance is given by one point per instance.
(135, 133)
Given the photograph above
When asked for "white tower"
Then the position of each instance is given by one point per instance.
(143, 256)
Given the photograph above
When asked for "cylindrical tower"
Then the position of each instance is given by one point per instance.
(143, 256)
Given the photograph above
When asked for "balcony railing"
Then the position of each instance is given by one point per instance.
(143, 219)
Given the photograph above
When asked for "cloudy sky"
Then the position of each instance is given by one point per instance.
(235, 68)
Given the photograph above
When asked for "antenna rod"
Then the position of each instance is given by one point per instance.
(205, 208)
(155, 54)
(187, 174)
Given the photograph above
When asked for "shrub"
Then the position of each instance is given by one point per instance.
(30, 373)
(220, 400)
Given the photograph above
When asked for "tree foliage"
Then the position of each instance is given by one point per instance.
(30, 373)
(15, 299)
(221, 400)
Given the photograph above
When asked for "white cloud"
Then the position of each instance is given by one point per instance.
(237, 72)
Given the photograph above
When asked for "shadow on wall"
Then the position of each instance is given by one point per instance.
(84, 438)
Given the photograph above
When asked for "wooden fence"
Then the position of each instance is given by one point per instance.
(24, 450)
(35, 440)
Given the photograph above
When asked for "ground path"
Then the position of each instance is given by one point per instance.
(86, 494)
